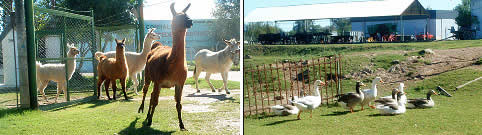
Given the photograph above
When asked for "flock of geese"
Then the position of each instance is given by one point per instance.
(396, 103)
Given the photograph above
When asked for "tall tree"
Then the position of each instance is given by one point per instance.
(227, 17)
(341, 24)
(465, 20)
(253, 30)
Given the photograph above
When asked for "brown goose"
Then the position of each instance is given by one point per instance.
(350, 100)
(422, 102)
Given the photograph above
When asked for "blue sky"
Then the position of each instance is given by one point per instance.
(250, 5)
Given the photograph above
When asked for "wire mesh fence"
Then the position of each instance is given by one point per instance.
(8, 57)
(273, 84)
(55, 30)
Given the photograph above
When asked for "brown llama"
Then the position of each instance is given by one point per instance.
(111, 69)
(167, 67)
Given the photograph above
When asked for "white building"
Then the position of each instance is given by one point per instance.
(476, 10)
(408, 16)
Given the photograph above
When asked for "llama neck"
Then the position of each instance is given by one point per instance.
(119, 56)
(227, 55)
(178, 43)
(147, 46)
(70, 66)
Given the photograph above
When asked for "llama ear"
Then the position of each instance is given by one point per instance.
(185, 9)
(238, 43)
(124, 41)
(152, 30)
(173, 11)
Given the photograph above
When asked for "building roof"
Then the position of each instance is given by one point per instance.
(337, 10)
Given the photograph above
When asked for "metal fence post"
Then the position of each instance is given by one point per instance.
(94, 48)
(30, 32)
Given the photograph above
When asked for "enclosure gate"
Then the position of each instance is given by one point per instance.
(54, 29)
(273, 84)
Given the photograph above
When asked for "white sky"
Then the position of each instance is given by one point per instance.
(159, 9)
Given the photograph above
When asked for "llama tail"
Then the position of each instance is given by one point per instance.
(98, 55)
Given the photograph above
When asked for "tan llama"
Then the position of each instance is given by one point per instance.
(111, 69)
(167, 67)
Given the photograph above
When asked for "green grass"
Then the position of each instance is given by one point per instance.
(119, 117)
(262, 54)
(385, 61)
(459, 114)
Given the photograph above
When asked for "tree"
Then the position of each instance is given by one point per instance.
(341, 24)
(465, 20)
(253, 30)
(227, 17)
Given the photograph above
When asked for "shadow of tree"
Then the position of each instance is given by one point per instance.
(221, 97)
(144, 130)
(280, 122)
(65, 105)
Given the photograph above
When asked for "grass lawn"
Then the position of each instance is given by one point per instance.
(459, 114)
(88, 116)
(262, 54)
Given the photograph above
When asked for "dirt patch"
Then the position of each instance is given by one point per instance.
(194, 108)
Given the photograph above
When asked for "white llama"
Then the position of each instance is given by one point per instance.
(216, 62)
(135, 61)
(56, 73)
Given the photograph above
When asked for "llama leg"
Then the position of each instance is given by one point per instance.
(59, 89)
(123, 85)
(99, 83)
(178, 96)
(208, 75)
(65, 90)
(106, 85)
(114, 88)
(197, 71)
(153, 103)
(42, 85)
(225, 82)
(135, 83)
(144, 92)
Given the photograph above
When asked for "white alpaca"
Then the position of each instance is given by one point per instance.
(216, 62)
(56, 73)
(135, 61)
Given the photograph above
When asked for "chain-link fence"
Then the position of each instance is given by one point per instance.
(8, 57)
(55, 30)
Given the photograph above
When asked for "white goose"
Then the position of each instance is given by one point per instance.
(391, 108)
(309, 102)
(371, 94)
(284, 110)
(403, 97)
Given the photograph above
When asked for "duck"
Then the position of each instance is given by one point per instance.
(422, 102)
(403, 97)
(309, 102)
(391, 108)
(371, 94)
(285, 110)
(351, 99)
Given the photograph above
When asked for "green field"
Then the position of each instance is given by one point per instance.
(88, 116)
(459, 114)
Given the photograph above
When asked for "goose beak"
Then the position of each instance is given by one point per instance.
(381, 81)
(435, 93)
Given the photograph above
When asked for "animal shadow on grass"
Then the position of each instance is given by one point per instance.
(378, 115)
(144, 130)
(4, 112)
(339, 113)
(280, 122)
(221, 97)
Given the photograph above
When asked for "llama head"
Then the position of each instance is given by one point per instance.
(120, 43)
(181, 20)
(73, 51)
(152, 35)
(233, 47)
